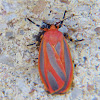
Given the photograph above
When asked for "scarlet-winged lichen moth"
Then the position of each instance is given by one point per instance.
(54, 61)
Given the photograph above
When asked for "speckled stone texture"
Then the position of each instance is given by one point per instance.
(19, 77)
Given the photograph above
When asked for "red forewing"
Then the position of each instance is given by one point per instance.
(55, 64)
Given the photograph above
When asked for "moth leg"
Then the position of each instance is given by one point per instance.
(66, 35)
